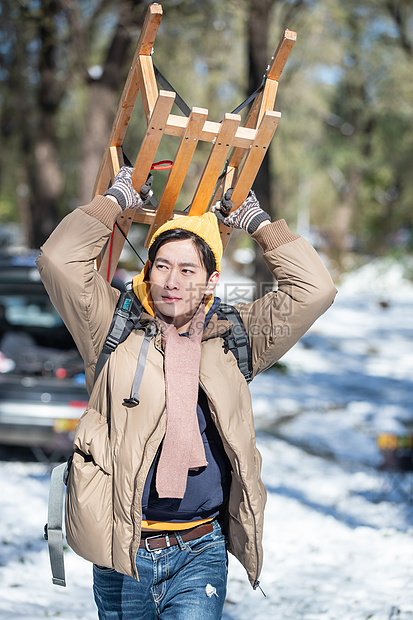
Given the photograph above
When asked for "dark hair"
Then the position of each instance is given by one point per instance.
(180, 234)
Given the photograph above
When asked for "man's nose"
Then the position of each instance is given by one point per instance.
(172, 280)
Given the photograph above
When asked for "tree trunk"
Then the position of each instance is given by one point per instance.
(104, 95)
(102, 103)
(45, 175)
(340, 233)
(258, 20)
(46, 184)
(353, 105)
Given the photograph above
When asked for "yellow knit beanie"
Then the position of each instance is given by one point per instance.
(205, 226)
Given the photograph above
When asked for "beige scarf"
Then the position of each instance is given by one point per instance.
(182, 447)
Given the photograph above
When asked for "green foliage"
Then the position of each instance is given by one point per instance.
(7, 210)
(346, 129)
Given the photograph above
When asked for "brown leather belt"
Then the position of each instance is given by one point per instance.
(167, 539)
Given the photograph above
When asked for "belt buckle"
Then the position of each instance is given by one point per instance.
(166, 536)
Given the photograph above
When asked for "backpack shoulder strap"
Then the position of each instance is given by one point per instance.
(125, 318)
(237, 340)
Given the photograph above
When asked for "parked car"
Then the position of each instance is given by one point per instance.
(42, 383)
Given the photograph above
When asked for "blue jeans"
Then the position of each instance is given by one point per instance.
(187, 581)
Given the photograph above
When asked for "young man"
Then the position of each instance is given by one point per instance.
(161, 486)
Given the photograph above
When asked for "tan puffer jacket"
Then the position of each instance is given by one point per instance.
(115, 446)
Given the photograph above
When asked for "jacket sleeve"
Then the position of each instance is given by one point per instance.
(81, 296)
(276, 321)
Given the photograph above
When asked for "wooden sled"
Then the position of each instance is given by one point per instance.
(234, 160)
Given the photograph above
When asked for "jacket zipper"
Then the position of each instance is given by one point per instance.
(256, 583)
(132, 559)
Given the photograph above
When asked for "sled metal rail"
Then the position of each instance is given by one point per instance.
(237, 150)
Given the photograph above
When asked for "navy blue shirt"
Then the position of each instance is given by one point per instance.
(206, 489)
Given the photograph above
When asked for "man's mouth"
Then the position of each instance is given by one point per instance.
(169, 299)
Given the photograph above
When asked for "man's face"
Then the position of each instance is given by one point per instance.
(179, 282)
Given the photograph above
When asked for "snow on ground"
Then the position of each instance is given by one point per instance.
(338, 532)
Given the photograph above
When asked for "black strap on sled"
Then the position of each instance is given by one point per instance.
(161, 79)
(184, 107)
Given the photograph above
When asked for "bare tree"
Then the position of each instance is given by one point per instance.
(258, 20)
(46, 176)
(103, 94)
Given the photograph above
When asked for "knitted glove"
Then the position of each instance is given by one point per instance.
(124, 192)
(248, 216)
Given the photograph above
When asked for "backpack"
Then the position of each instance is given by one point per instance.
(127, 316)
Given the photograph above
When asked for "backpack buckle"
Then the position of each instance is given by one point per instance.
(130, 402)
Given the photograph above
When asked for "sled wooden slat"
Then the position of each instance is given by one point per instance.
(152, 139)
(142, 168)
(118, 131)
(264, 101)
(281, 55)
(242, 181)
(125, 109)
(116, 160)
(239, 152)
(129, 94)
(176, 126)
(102, 181)
(148, 87)
(254, 158)
(149, 30)
(249, 170)
(267, 99)
(215, 163)
(146, 215)
(178, 172)
(274, 73)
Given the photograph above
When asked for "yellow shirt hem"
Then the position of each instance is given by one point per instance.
(172, 527)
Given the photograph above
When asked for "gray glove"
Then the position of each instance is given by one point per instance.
(248, 216)
(124, 192)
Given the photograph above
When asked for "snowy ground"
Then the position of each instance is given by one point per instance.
(338, 532)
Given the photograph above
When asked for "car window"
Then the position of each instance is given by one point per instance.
(25, 307)
(28, 311)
